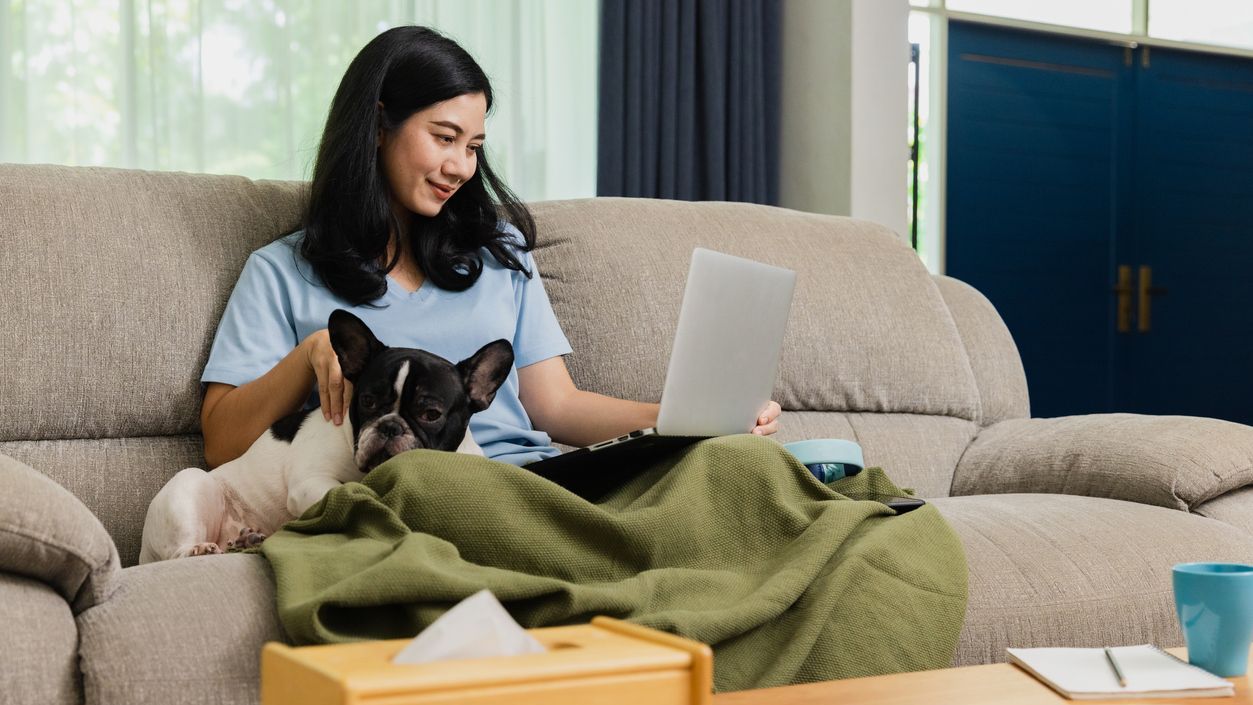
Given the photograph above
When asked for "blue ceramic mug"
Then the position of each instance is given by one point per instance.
(1214, 602)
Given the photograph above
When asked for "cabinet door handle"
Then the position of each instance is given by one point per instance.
(1147, 291)
(1123, 290)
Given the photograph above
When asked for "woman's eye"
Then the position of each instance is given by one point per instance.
(430, 415)
(446, 139)
(476, 148)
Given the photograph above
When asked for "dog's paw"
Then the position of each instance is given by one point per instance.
(248, 538)
(204, 549)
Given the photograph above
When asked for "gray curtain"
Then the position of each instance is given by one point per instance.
(689, 100)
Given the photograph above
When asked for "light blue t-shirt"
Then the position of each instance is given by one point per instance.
(279, 300)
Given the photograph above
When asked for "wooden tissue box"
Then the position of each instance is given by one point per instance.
(606, 662)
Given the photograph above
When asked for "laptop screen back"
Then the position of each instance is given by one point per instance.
(726, 346)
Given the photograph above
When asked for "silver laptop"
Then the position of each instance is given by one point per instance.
(721, 373)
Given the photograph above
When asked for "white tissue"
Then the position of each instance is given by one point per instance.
(476, 627)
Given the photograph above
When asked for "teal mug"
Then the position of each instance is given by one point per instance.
(828, 459)
(1214, 602)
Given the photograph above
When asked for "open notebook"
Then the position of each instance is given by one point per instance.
(1085, 674)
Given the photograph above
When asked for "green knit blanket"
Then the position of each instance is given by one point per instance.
(731, 542)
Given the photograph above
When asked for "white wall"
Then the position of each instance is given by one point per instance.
(844, 141)
(815, 150)
(880, 112)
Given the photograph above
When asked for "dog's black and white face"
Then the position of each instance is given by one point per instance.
(405, 398)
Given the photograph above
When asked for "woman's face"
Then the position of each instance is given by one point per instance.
(433, 153)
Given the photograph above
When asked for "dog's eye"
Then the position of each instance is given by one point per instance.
(367, 401)
(430, 415)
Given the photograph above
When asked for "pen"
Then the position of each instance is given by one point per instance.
(1109, 656)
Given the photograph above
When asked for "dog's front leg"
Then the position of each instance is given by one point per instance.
(322, 460)
(306, 490)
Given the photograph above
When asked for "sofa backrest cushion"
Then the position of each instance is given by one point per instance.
(869, 330)
(117, 279)
(114, 283)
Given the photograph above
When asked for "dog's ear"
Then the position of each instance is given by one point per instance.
(484, 372)
(353, 342)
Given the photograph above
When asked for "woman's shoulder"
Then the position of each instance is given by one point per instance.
(283, 253)
(283, 261)
(282, 247)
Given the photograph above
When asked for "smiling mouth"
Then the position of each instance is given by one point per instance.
(441, 191)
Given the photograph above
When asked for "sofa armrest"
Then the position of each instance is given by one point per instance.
(1177, 462)
(48, 535)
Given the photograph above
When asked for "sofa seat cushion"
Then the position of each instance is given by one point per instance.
(1062, 570)
(1045, 570)
(38, 644)
(183, 631)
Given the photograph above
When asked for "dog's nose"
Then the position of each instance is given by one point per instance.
(391, 429)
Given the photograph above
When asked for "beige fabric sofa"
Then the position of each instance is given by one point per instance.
(113, 282)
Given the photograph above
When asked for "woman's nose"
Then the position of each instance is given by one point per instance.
(461, 168)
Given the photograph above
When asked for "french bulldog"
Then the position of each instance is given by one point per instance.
(402, 399)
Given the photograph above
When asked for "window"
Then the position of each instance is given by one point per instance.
(920, 216)
(1223, 22)
(1105, 15)
(243, 86)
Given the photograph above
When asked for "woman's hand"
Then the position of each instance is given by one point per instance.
(768, 422)
(334, 391)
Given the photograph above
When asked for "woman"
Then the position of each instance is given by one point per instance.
(404, 229)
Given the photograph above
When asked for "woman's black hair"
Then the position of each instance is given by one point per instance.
(350, 218)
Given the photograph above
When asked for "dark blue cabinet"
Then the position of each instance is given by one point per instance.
(1072, 160)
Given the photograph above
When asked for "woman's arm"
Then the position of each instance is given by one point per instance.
(578, 418)
(233, 418)
(572, 416)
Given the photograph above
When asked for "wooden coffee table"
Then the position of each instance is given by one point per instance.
(993, 684)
